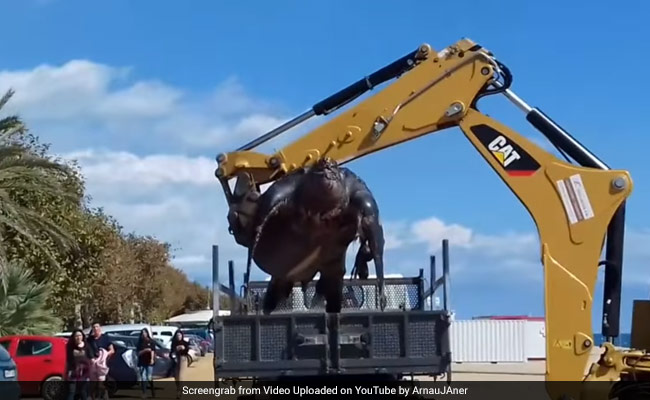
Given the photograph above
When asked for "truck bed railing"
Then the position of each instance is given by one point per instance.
(358, 295)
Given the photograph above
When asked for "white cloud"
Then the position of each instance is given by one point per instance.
(177, 199)
(124, 168)
(87, 97)
(394, 234)
(147, 151)
(432, 231)
(50, 92)
(511, 255)
(200, 260)
(243, 129)
(142, 100)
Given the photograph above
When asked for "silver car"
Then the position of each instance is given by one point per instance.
(8, 376)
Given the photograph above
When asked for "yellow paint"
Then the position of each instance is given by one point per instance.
(415, 105)
(500, 156)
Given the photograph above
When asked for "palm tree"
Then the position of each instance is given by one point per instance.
(23, 309)
(23, 172)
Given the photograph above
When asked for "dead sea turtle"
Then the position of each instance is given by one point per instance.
(304, 224)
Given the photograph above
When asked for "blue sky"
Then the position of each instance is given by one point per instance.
(144, 94)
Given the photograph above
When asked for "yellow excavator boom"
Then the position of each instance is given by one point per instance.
(577, 206)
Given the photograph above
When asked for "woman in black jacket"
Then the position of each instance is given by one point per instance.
(78, 356)
(179, 351)
(146, 358)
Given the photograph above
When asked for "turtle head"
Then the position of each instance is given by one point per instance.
(322, 189)
(327, 169)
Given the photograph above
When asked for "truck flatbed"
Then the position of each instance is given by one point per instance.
(299, 339)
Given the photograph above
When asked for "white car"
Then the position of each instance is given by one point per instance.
(122, 329)
(164, 334)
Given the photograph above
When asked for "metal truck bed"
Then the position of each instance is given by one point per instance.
(300, 339)
(308, 344)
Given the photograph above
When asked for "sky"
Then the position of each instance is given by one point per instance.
(145, 94)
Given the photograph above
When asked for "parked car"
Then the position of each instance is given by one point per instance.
(40, 363)
(164, 333)
(123, 372)
(203, 333)
(197, 344)
(122, 329)
(8, 376)
(132, 340)
(206, 337)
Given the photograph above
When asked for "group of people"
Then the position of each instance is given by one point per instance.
(88, 357)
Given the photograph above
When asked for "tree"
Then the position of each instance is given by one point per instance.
(85, 275)
(94, 271)
(23, 309)
(26, 175)
(114, 292)
(63, 242)
(137, 280)
(197, 298)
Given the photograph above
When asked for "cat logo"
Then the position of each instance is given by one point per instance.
(514, 159)
(503, 151)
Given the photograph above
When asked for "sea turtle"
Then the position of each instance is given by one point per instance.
(303, 225)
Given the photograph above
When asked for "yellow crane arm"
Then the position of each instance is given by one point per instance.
(575, 206)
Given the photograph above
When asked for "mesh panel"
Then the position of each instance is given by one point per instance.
(400, 294)
(422, 338)
(386, 338)
(310, 325)
(274, 340)
(384, 332)
(240, 344)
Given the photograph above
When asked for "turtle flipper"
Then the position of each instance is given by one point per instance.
(372, 236)
(361, 261)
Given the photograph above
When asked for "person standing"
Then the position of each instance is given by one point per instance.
(97, 341)
(77, 365)
(179, 350)
(146, 358)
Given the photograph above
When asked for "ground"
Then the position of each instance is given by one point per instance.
(530, 371)
(202, 371)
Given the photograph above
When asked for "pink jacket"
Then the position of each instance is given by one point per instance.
(98, 368)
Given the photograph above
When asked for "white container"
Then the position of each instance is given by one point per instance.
(488, 341)
(535, 340)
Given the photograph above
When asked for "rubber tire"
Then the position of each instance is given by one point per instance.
(53, 388)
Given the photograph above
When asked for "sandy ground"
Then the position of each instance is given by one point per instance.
(202, 370)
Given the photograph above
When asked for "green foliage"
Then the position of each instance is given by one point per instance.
(138, 281)
(23, 309)
(93, 270)
(29, 183)
(197, 298)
